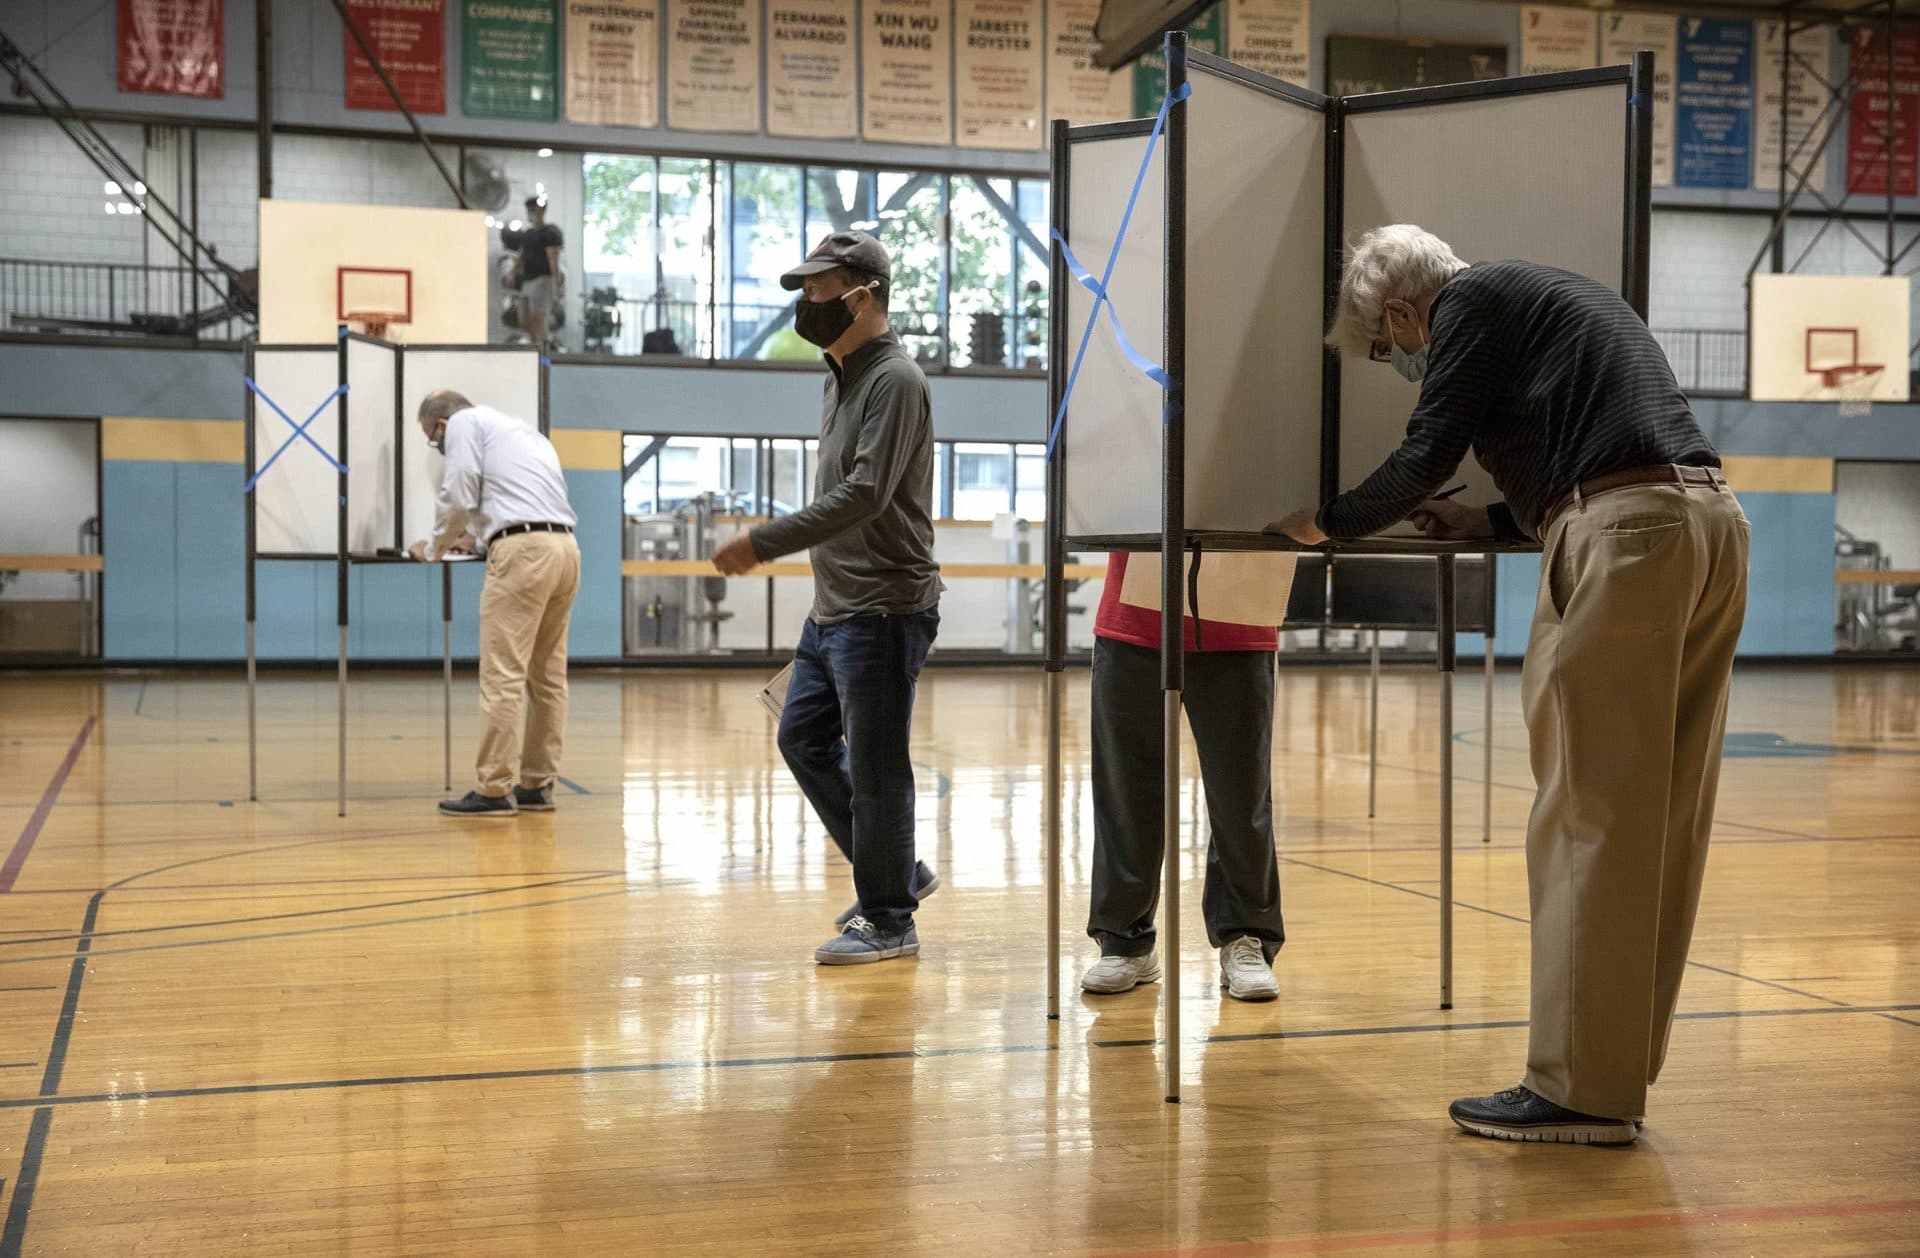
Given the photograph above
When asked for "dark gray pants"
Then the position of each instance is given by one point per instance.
(1229, 704)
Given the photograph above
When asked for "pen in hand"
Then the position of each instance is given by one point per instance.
(1450, 493)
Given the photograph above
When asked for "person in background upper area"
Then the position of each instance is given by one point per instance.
(1562, 393)
(503, 485)
(537, 272)
(876, 594)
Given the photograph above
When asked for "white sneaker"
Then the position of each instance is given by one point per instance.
(1244, 972)
(1110, 976)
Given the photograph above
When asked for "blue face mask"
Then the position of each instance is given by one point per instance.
(1413, 366)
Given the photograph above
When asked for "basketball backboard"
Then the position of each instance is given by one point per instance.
(397, 272)
(1840, 338)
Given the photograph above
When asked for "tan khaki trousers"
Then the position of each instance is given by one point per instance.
(524, 609)
(1642, 595)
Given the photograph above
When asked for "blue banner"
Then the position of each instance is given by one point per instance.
(1713, 104)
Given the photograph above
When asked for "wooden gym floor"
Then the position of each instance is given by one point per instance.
(260, 1029)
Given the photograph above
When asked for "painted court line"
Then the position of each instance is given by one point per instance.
(24, 844)
(1710, 1216)
(814, 1059)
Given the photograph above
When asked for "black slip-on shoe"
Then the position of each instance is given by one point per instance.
(533, 799)
(474, 804)
(1523, 1114)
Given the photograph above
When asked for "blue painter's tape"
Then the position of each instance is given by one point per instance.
(1099, 288)
(299, 431)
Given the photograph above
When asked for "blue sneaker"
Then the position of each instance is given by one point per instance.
(862, 943)
(925, 883)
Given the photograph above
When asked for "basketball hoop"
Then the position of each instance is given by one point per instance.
(1854, 392)
(373, 322)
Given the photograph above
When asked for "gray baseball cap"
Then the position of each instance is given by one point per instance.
(855, 250)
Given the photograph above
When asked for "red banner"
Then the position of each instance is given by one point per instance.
(173, 47)
(410, 38)
(1866, 125)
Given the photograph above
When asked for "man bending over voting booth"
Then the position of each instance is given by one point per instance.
(1563, 395)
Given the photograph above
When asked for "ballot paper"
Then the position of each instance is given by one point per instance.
(773, 695)
(1236, 587)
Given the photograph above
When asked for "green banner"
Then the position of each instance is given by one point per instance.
(1150, 72)
(510, 59)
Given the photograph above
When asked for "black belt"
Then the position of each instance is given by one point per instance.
(514, 530)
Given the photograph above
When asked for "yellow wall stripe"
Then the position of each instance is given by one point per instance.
(174, 440)
(587, 449)
(1767, 474)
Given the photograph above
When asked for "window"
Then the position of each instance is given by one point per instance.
(1030, 485)
(763, 240)
(648, 222)
(982, 480)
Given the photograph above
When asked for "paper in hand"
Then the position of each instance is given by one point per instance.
(773, 695)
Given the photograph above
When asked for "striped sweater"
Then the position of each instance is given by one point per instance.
(1549, 378)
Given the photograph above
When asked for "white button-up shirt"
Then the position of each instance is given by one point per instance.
(500, 471)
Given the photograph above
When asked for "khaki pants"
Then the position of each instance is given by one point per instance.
(1642, 595)
(524, 608)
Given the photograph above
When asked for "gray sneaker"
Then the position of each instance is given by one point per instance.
(533, 798)
(861, 943)
(925, 883)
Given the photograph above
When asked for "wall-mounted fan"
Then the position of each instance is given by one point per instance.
(486, 184)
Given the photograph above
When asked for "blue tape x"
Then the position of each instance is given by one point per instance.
(299, 431)
(1098, 287)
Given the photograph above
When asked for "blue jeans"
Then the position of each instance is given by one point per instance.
(844, 732)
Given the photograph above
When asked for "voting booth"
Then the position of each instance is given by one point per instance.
(1192, 401)
(338, 470)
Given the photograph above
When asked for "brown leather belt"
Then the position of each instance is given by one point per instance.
(1658, 474)
(514, 530)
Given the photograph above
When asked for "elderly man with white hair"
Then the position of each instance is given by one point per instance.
(1561, 392)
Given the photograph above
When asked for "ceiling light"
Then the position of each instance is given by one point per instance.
(544, 153)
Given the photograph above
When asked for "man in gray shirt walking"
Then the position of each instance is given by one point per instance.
(876, 593)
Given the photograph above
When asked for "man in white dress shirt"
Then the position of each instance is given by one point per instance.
(503, 486)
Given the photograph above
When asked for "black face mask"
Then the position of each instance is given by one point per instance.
(823, 322)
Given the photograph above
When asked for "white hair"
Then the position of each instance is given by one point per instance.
(1399, 261)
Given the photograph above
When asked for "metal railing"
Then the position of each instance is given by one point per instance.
(113, 298)
(1707, 363)
(623, 325)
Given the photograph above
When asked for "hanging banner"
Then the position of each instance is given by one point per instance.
(713, 65)
(1553, 38)
(1713, 104)
(510, 59)
(1866, 123)
(1787, 131)
(906, 80)
(1078, 90)
(410, 38)
(1622, 35)
(813, 83)
(613, 62)
(1000, 62)
(1150, 71)
(1271, 36)
(172, 47)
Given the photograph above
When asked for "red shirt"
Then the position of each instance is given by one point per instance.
(1123, 622)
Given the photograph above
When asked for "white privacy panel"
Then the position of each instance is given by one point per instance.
(1256, 262)
(505, 377)
(1539, 177)
(373, 383)
(296, 500)
(1111, 445)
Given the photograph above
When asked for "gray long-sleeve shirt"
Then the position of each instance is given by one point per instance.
(870, 524)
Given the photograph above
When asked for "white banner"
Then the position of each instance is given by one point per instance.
(1000, 62)
(1622, 35)
(1076, 89)
(713, 65)
(1271, 36)
(613, 62)
(1557, 39)
(1811, 62)
(906, 76)
(812, 82)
